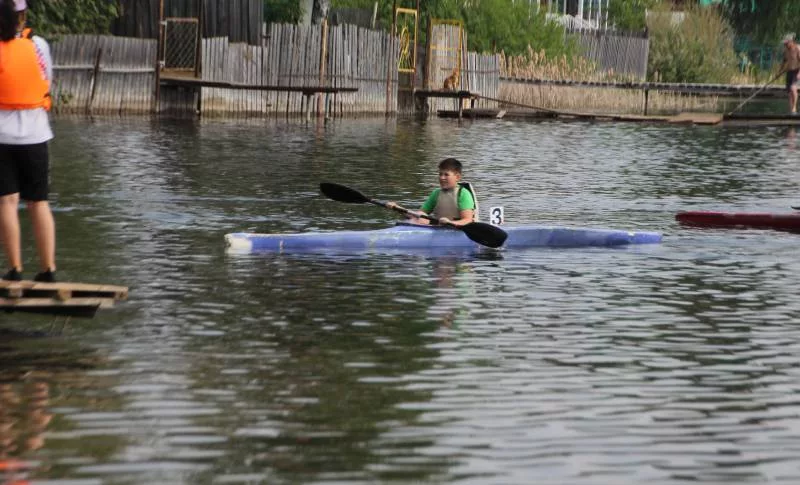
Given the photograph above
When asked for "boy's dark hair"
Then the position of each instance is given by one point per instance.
(447, 164)
(8, 20)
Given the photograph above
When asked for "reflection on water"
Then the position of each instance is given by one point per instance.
(666, 363)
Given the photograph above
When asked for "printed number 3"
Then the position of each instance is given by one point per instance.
(496, 216)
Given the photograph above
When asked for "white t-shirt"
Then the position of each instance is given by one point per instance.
(29, 126)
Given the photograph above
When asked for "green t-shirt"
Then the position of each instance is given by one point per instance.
(465, 200)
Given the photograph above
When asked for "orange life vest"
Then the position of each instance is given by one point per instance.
(22, 82)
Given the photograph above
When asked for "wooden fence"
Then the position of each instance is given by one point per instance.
(482, 76)
(103, 74)
(303, 56)
(106, 74)
(360, 57)
(621, 52)
(477, 73)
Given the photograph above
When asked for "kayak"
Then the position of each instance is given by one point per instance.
(404, 236)
(765, 220)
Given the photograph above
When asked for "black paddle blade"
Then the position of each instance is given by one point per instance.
(485, 234)
(341, 193)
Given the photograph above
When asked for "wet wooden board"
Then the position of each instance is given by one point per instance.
(531, 114)
(681, 118)
(697, 118)
(761, 119)
(78, 299)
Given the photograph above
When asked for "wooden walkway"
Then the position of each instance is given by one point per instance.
(522, 114)
(773, 90)
(69, 299)
(307, 91)
(458, 95)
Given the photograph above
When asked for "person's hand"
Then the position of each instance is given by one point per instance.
(391, 205)
(445, 221)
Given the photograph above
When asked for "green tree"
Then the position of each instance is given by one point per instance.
(629, 14)
(59, 17)
(282, 11)
(495, 25)
(491, 25)
(763, 20)
(696, 47)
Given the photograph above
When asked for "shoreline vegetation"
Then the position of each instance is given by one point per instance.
(606, 101)
(695, 47)
(692, 46)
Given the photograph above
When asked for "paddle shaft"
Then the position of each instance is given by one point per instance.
(480, 232)
(757, 92)
(409, 212)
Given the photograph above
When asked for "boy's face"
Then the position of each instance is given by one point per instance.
(448, 179)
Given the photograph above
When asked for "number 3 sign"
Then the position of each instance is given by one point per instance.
(496, 216)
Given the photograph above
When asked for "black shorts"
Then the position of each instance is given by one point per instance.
(791, 78)
(25, 169)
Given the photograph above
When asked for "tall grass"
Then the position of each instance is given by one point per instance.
(537, 65)
(603, 100)
(695, 46)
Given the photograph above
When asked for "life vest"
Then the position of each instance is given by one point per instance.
(22, 81)
(447, 203)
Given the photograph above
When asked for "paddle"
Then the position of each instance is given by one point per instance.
(480, 232)
(756, 93)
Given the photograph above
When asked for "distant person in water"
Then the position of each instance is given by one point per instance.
(451, 203)
(26, 70)
(791, 65)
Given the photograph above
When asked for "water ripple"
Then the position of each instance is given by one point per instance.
(668, 363)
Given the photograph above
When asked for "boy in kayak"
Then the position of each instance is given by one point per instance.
(451, 203)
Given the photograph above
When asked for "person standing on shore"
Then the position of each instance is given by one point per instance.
(26, 70)
(791, 65)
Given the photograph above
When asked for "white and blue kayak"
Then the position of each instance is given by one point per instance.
(416, 237)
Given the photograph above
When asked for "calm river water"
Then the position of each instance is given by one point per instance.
(669, 363)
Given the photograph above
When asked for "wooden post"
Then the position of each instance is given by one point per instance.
(427, 74)
(159, 52)
(391, 63)
(646, 94)
(416, 42)
(309, 95)
(323, 54)
(198, 59)
(93, 83)
(198, 67)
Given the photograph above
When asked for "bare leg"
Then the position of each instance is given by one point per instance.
(9, 230)
(793, 99)
(44, 231)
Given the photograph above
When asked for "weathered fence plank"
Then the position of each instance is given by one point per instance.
(106, 74)
(622, 52)
(103, 74)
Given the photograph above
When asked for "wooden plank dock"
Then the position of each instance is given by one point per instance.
(523, 114)
(68, 299)
(698, 89)
(458, 95)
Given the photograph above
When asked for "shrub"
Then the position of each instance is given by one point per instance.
(491, 25)
(57, 17)
(629, 14)
(694, 46)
